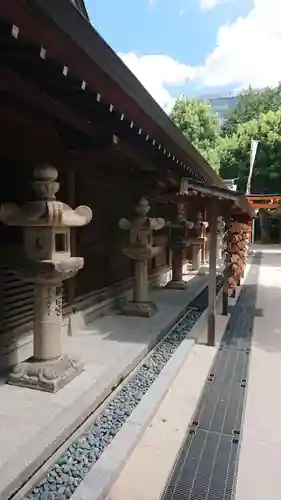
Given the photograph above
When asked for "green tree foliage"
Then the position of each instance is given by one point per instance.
(251, 104)
(234, 153)
(200, 125)
(257, 116)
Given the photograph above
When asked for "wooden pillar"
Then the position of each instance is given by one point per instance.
(253, 231)
(204, 245)
(212, 273)
(225, 291)
(225, 272)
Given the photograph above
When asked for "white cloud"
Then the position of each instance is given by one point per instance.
(247, 52)
(210, 4)
(156, 72)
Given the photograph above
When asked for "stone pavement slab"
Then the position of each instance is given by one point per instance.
(259, 471)
(109, 348)
(146, 472)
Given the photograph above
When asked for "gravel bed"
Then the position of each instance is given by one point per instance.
(60, 482)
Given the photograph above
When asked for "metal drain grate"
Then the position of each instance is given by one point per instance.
(206, 466)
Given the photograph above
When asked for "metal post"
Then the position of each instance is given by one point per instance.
(212, 273)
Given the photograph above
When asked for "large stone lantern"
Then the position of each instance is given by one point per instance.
(178, 237)
(141, 250)
(46, 261)
(199, 240)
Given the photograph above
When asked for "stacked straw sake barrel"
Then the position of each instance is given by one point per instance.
(236, 246)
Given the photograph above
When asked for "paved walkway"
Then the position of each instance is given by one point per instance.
(259, 472)
(33, 424)
(209, 470)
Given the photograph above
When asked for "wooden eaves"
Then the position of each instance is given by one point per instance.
(73, 42)
(222, 193)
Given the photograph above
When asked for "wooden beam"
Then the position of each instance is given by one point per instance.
(267, 206)
(214, 191)
(224, 194)
(25, 89)
(13, 115)
(30, 93)
(30, 149)
(212, 273)
(139, 157)
(263, 197)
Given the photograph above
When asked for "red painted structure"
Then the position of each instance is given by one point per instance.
(268, 202)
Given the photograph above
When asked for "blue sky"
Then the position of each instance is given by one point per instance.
(193, 46)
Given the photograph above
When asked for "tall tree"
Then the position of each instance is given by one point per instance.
(234, 153)
(200, 125)
(235, 158)
(251, 104)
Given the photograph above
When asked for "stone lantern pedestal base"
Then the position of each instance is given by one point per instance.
(176, 285)
(48, 376)
(140, 309)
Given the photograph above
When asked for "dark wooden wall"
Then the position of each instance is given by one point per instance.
(99, 179)
(101, 242)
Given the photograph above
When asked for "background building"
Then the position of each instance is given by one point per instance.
(221, 105)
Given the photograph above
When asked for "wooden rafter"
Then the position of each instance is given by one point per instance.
(40, 24)
(11, 81)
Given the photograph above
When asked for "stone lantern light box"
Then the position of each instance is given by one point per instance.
(43, 243)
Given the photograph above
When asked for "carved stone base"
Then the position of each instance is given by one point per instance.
(48, 376)
(140, 309)
(176, 285)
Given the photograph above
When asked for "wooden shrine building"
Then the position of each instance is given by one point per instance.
(67, 100)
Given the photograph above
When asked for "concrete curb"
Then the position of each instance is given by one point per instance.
(151, 463)
(104, 473)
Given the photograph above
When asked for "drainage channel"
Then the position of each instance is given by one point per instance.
(206, 466)
(60, 482)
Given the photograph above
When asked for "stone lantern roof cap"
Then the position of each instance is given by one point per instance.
(46, 210)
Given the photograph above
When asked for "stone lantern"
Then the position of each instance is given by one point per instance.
(46, 262)
(220, 233)
(199, 240)
(178, 242)
(141, 250)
